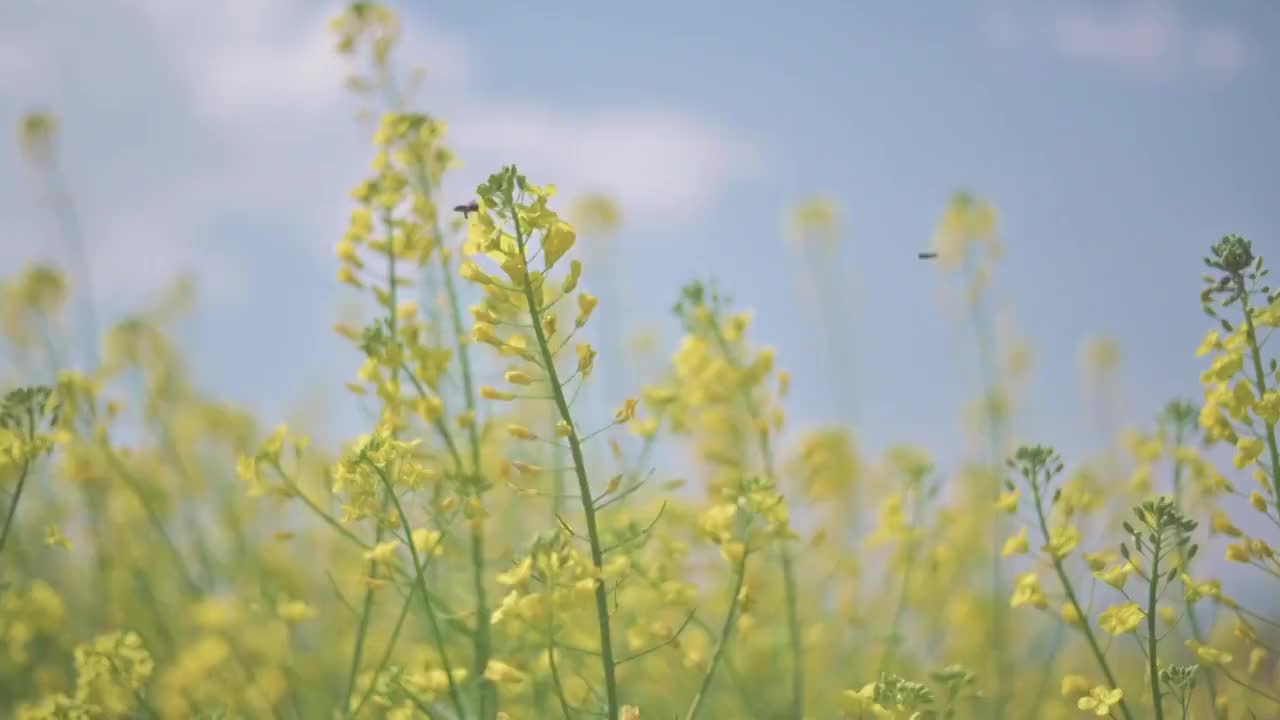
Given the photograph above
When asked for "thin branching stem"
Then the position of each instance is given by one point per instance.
(722, 641)
(1197, 633)
(1153, 594)
(13, 504)
(362, 630)
(386, 654)
(982, 331)
(432, 619)
(788, 564)
(1069, 589)
(551, 658)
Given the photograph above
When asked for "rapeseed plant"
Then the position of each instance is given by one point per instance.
(495, 547)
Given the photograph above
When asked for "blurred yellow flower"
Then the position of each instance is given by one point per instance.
(1100, 700)
(1121, 619)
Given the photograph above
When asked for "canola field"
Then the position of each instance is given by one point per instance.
(492, 547)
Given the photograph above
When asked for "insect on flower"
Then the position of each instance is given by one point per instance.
(467, 208)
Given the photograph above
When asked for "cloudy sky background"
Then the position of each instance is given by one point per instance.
(1117, 139)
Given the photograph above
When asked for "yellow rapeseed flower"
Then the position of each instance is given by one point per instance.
(1074, 685)
(1016, 544)
(1121, 619)
(1100, 700)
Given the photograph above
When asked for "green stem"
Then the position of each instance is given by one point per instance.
(454, 697)
(386, 654)
(580, 470)
(891, 645)
(488, 691)
(793, 634)
(1153, 665)
(726, 632)
(1197, 633)
(745, 698)
(400, 572)
(483, 642)
(982, 332)
(551, 656)
(362, 631)
(788, 570)
(1260, 379)
(481, 636)
(1251, 688)
(13, 506)
(1075, 602)
(393, 329)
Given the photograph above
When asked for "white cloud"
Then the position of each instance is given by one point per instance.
(659, 164)
(1145, 36)
(186, 123)
(1224, 49)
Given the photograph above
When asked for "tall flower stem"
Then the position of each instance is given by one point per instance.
(1197, 633)
(436, 635)
(1153, 594)
(1069, 589)
(722, 643)
(482, 639)
(1260, 379)
(788, 564)
(608, 666)
(999, 642)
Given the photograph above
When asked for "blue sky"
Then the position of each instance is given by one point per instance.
(1117, 140)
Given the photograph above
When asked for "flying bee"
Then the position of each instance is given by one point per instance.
(927, 255)
(467, 209)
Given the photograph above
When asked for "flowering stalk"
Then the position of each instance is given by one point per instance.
(1153, 590)
(1038, 465)
(981, 324)
(482, 639)
(436, 635)
(900, 610)
(1181, 415)
(608, 666)
(366, 608)
(1260, 379)
(1167, 534)
(966, 237)
(788, 569)
(1240, 271)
